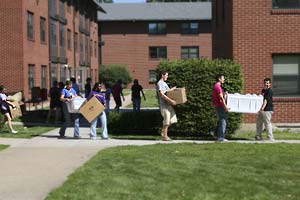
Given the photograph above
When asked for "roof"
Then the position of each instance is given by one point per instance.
(99, 7)
(155, 11)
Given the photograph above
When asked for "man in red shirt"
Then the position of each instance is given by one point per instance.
(218, 102)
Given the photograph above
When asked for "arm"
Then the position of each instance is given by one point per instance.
(264, 105)
(9, 103)
(143, 95)
(166, 98)
(223, 102)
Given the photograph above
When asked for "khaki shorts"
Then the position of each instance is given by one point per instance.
(169, 115)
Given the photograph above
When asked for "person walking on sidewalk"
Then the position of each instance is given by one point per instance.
(166, 105)
(5, 110)
(218, 102)
(117, 93)
(66, 96)
(101, 98)
(265, 112)
(136, 91)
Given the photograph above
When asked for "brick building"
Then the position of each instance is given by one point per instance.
(42, 41)
(263, 37)
(139, 35)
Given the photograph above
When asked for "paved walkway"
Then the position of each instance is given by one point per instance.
(31, 168)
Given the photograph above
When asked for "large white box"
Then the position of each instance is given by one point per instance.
(75, 104)
(249, 103)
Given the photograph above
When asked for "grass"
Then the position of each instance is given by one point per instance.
(25, 132)
(2, 146)
(151, 100)
(188, 171)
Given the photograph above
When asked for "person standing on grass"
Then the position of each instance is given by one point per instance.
(136, 91)
(66, 96)
(117, 93)
(218, 102)
(5, 110)
(101, 98)
(265, 112)
(166, 105)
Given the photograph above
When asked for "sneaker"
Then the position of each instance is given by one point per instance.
(14, 132)
(104, 138)
(271, 139)
(93, 138)
(258, 138)
(222, 140)
(166, 139)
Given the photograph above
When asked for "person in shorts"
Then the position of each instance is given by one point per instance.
(166, 105)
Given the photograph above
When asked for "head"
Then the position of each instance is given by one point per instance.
(3, 89)
(69, 84)
(61, 85)
(73, 80)
(88, 80)
(220, 78)
(164, 75)
(135, 81)
(97, 87)
(267, 82)
(54, 84)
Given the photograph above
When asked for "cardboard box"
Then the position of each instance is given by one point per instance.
(17, 111)
(178, 94)
(75, 104)
(91, 109)
(249, 103)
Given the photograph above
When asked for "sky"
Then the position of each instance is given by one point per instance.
(129, 1)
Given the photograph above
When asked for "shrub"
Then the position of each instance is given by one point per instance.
(197, 116)
(111, 73)
(134, 123)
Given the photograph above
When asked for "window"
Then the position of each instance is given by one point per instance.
(189, 52)
(286, 75)
(30, 31)
(69, 39)
(63, 73)
(157, 28)
(53, 73)
(61, 35)
(158, 52)
(76, 42)
(43, 76)
(43, 30)
(286, 4)
(152, 76)
(62, 9)
(190, 28)
(30, 76)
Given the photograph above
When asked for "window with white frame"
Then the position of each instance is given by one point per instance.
(286, 75)
(189, 52)
(152, 76)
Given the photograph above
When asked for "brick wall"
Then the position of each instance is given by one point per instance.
(128, 43)
(258, 32)
(11, 47)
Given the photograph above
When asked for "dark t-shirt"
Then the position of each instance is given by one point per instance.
(136, 91)
(268, 95)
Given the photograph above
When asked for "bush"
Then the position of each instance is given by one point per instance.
(112, 73)
(134, 123)
(197, 116)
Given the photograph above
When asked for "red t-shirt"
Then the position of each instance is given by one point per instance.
(216, 100)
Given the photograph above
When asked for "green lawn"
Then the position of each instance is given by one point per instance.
(227, 171)
(151, 100)
(25, 132)
(2, 146)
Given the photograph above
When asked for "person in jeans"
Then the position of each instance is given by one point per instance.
(166, 105)
(101, 98)
(219, 103)
(136, 91)
(66, 95)
(265, 112)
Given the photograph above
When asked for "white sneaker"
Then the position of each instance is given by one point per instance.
(93, 138)
(14, 132)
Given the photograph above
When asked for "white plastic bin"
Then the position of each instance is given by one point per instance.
(75, 104)
(249, 103)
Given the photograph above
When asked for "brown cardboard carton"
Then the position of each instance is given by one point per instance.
(178, 94)
(91, 109)
(17, 111)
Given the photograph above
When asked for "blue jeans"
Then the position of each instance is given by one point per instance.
(93, 132)
(136, 104)
(221, 128)
(67, 122)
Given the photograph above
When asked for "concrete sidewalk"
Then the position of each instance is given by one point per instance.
(31, 168)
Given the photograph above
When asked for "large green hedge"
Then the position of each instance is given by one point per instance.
(197, 116)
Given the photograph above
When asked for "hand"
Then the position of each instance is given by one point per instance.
(173, 103)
